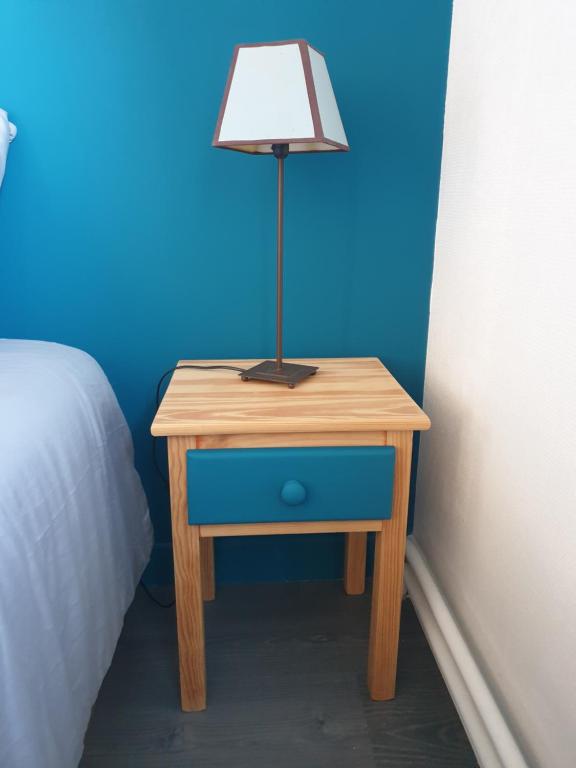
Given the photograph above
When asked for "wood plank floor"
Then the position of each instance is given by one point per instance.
(286, 689)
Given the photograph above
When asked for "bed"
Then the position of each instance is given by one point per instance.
(75, 536)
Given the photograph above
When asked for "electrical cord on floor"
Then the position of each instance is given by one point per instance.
(154, 599)
(154, 444)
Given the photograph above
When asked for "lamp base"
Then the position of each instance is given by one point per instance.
(290, 373)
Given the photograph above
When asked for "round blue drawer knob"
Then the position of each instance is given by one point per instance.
(293, 493)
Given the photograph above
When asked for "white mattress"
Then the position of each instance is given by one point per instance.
(75, 536)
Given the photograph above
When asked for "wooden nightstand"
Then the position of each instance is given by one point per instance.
(249, 458)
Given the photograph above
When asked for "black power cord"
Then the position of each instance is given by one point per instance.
(158, 390)
(195, 367)
(154, 444)
(154, 599)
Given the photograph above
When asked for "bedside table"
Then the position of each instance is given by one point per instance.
(253, 458)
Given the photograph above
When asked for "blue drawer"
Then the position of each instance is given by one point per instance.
(266, 485)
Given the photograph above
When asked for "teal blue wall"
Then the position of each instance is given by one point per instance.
(123, 232)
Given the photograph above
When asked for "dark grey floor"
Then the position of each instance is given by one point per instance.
(286, 689)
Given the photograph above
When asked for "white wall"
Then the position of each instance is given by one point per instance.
(496, 496)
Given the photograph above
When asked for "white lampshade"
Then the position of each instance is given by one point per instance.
(279, 93)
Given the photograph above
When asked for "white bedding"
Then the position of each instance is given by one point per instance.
(75, 536)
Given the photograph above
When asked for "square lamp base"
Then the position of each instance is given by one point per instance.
(290, 373)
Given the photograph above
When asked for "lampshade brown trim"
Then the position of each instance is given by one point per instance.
(256, 142)
(231, 69)
(296, 41)
(239, 146)
(310, 87)
(341, 147)
(239, 142)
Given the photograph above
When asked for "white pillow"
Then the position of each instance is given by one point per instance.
(7, 133)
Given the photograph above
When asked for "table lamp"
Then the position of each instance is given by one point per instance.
(279, 99)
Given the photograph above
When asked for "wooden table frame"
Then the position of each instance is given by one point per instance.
(349, 402)
(194, 555)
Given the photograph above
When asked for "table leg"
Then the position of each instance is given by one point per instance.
(208, 582)
(355, 563)
(387, 585)
(188, 582)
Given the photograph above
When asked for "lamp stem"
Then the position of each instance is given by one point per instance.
(270, 370)
(280, 151)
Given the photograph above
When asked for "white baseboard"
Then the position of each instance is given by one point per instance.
(483, 720)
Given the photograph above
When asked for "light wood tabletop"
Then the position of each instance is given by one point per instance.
(356, 393)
